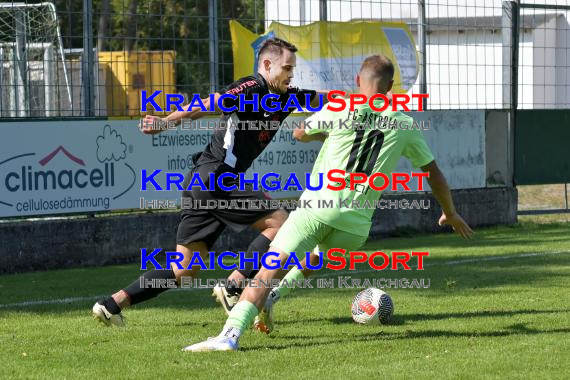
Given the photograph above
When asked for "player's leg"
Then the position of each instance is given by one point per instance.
(265, 220)
(268, 226)
(299, 234)
(335, 239)
(108, 310)
(294, 276)
(197, 231)
(244, 312)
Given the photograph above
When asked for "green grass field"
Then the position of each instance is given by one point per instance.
(498, 307)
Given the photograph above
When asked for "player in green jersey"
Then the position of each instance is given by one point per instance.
(356, 150)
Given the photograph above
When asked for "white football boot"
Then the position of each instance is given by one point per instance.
(218, 343)
(227, 300)
(103, 315)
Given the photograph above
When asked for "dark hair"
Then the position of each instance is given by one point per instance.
(377, 67)
(275, 46)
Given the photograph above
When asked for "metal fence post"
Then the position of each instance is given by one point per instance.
(302, 13)
(422, 43)
(213, 37)
(566, 196)
(510, 36)
(22, 102)
(323, 10)
(87, 62)
(2, 80)
(49, 80)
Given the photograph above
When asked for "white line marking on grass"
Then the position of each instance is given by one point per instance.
(49, 302)
(451, 262)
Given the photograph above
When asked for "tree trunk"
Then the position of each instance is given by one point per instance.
(103, 29)
(130, 26)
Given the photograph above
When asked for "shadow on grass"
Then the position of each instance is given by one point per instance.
(463, 277)
(309, 341)
(402, 319)
(457, 276)
(519, 234)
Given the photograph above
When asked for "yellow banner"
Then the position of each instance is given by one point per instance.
(330, 53)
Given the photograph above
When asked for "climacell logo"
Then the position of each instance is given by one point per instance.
(64, 179)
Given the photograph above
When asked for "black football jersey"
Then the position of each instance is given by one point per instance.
(239, 138)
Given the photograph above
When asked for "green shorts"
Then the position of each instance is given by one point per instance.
(302, 232)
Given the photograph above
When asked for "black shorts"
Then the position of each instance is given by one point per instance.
(207, 224)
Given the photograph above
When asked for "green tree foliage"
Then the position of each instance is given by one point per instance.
(160, 25)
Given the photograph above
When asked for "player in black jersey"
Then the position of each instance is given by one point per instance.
(232, 149)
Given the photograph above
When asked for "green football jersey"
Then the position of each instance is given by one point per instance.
(362, 141)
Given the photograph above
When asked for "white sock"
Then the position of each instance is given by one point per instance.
(231, 332)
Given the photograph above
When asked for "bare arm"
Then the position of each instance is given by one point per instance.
(300, 135)
(194, 113)
(442, 194)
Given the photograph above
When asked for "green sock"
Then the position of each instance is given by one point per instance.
(283, 290)
(241, 316)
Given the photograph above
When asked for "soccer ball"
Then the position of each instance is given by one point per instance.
(372, 306)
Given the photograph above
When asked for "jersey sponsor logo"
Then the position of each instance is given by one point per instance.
(242, 87)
